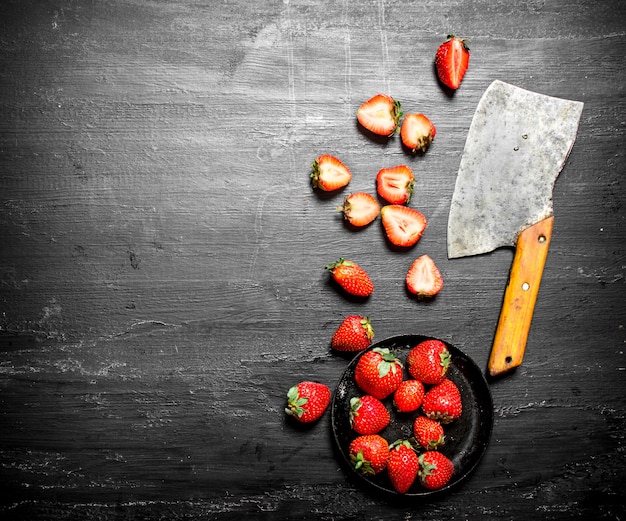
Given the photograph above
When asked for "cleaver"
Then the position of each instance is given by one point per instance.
(516, 147)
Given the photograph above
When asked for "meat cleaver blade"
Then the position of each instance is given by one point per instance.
(516, 147)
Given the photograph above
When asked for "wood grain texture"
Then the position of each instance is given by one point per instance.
(161, 263)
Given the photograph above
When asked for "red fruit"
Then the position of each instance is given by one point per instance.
(351, 277)
(378, 372)
(428, 433)
(359, 208)
(404, 226)
(369, 454)
(307, 401)
(424, 278)
(435, 469)
(354, 334)
(368, 415)
(395, 184)
(451, 61)
(408, 396)
(443, 402)
(417, 132)
(402, 465)
(429, 361)
(380, 115)
(329, 173)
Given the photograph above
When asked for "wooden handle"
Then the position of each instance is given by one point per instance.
(520, 297)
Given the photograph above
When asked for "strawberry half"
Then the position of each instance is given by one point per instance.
(359, 209)
(307, 401)
(424, 278)
(451, 61)
(403, 226)
(380, 115)
(417, 132)
(395, 184)
(329, 173)
(351, 277)
(354, 334)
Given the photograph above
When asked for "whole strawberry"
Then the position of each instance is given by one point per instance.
(435, 469)
(408, 396)
(351, 277)
(307, 401)
(429, 361)
(443, 402)
(428, 433)
(369, 454)
(354, 334)
(368, 415)
(378, 372)
(402, 465)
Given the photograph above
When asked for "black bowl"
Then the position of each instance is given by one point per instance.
(467, 437)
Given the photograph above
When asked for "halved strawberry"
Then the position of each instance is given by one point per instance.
(329, 173)
(360, 208)
(417, 132)
(395, 184)
(380, 115)
(451, 61)
(424, 278)
(404, 226)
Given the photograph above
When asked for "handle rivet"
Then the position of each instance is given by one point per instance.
(525, 286)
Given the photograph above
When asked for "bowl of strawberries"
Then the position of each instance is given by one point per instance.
(411, 416)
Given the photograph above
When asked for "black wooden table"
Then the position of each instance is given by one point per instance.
(162, 277)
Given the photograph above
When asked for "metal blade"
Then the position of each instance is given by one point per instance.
(516, 147)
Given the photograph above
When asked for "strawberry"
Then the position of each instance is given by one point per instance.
(329, 173)
(378, 372)
(395, 184)
(351, 277)
(354, 334)
(402, 465)
(443, 402)
(359, 209)
(404, 226)
(380, 115)
(417, 132)
(369, 454)
(368, 415)
(307, 401)
(451, 61)
(424, 278)
(428, 433)
(429, 361)
(408, 396)
(435, 469)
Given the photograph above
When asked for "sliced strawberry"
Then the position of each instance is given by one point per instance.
(404, 226)
(451, 61)
(417, 132)
(360, 208)
(329, 173)
(424, 278)
(395, 184)
(380, 115)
